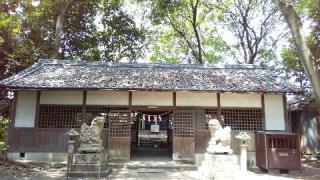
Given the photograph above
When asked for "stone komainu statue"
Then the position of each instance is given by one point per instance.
(220, 138)
(90, 136)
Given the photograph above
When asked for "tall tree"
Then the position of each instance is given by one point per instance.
(58, 34)
(307, 59)
(64, 29)
(119, 38)
(187, 26)
(253, 23)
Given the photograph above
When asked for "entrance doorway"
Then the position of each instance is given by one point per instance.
(151, 135)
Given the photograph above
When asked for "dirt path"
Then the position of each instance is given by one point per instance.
(14, 171)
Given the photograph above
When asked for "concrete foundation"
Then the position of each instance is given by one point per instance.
(38, 156)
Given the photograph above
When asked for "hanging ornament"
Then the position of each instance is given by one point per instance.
(149, 118)
(160, 119)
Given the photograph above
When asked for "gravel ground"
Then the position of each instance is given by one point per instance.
(14, 171)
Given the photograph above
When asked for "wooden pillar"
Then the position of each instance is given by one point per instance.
(219, 109)
(36, 121)
(174, 108)
(263, 114)
(84, 109)
(174, 105)
(13, 109)
(174, 100)
(285, 112)
(130, 100)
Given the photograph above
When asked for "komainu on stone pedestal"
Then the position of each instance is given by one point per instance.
(90, 141)
(219, 160)
(91, 159)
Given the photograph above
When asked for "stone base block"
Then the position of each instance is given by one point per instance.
(90, 148)
(221, 159)
(90, 158)
(216, 165)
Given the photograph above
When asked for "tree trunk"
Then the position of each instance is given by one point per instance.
(64, 4)
(304, 52)
(195, 30)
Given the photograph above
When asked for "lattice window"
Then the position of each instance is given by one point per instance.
(59, 116)
(243, 118)
(183, 124)
(283, 142)
(200, 119)
(120, 124)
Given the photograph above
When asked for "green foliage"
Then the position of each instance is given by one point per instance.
(186, 31)
(253, 26)
(4, 123)
(27, 31)
(293, 65)
(120, 38)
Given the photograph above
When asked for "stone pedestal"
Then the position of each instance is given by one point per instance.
(243, 158)
(89, 165)
(219, 166)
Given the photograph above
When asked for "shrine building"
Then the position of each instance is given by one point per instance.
(156, 106)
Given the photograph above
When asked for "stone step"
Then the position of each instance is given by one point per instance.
(151, 170)
(154, 165)
(87, 167)
(84, 174)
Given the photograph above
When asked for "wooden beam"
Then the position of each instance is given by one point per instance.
(36, 120)
(84, 108)
(285, 112)
(263, 114)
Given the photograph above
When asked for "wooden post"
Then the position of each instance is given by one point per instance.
(174, 108)
(285, 112)
(219, 110)
(13, 109)
(263, 118)
(130, 100)
(174, 100)
(36, 120)
(130, 112)
(84, 109)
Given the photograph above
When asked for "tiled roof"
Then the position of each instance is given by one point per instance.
(300, 102)
(61, 74)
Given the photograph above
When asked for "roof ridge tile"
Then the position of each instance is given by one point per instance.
(150, 65)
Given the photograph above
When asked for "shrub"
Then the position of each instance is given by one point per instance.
(4, 123)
